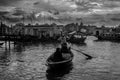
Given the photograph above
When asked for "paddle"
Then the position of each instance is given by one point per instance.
(88, 56)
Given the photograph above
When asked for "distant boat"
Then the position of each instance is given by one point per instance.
(77, 38)
(109, 36)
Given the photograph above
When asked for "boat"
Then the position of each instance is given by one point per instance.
(53, 74)
(77, 38)
(109, 36)
(68, 57)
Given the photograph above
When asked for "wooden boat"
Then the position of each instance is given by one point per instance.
(53, 74)
(109, 36)
(77, 39)
(68, 57)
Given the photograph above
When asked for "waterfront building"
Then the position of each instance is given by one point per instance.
(37, 30)
(71, 27)
(3, 28)
(101, 30)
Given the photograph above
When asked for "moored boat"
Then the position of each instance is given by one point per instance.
(109, 36)
(77, 38)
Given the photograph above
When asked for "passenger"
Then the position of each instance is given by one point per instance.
(64, 48)
(62, 39)
(58, 55)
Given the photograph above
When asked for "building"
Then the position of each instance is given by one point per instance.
(3, 29)
(37, 30)
(101, 30)
(71, 27)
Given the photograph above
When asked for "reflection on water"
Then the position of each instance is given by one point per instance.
(4, 58)
(27, 62)
(58, 74)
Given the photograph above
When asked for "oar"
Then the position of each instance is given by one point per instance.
(88, 56)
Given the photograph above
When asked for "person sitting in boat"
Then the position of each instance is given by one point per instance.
(62, 39)
(57, 55)
(64, 48)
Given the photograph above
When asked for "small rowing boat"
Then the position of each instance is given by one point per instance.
(66, 59)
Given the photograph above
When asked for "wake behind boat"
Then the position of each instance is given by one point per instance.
(62, 57)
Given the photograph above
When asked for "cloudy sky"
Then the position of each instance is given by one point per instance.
(98, 12)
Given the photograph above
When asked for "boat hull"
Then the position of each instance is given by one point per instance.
(78, 40)
(60, 64)
(54, 73)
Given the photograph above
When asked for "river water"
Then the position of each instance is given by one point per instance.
(28, 62)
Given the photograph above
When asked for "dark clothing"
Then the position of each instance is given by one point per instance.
(58, 55)
(65, 48)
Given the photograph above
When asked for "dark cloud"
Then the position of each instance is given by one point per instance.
(3, 13)
(96, 9)
(10, 19)
(18, 12)
(8, 2)
(13, 20)
(36, 3)
(61, 6)
(111, 4)
(42, 5)
(115, 19)
(11, 16)
(113, 0)
(81, 3)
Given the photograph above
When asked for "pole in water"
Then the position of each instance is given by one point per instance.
(5, 44)
(9, 44)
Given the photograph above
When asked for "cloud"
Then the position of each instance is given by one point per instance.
(9, 2)
(115, 19)
(11, 18)
(58, 5)
(3, 13)
(45, 14)
(91, 11)
(18, 12)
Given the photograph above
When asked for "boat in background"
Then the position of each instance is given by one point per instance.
(77, 38)
(109, 36)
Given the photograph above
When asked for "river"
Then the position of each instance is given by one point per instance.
(28, 62)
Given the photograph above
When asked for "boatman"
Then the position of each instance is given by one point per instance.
(64, 45)
(57, 55)
(63, 40)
